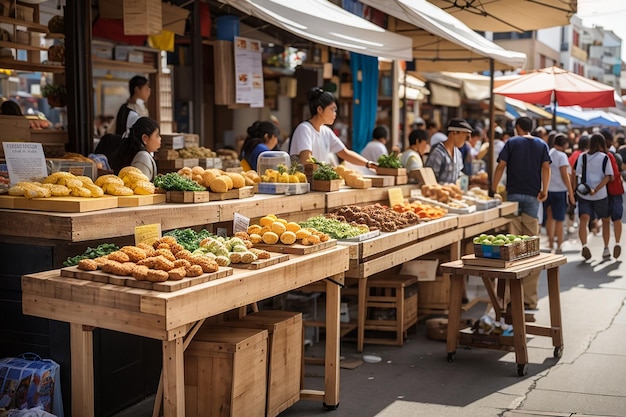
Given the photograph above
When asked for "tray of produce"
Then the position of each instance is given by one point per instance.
(376, 217)
(163, 266)
(507, 247)
(452, 205)
(278, 235)
(340, 230)
(424, 211)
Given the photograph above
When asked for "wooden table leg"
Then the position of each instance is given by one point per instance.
(554, 297)
(173, 378)
(81, 351)
(331, 366)
(519, 325)
(454, 313)
(493, 298)
(362, 311)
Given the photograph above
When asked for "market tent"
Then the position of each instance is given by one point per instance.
(532, 111)
(441, 41)
(322, 22)
(510, 15)
(586, 118)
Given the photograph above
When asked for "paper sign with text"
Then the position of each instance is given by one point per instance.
(147, 233)
(395, 196)
(25, 161)
(240, 223)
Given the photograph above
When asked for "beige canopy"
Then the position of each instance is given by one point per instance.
(440, 41)
(510, 15)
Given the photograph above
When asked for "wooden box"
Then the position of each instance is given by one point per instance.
(332, 185)
(142, 17)
(284, 355)
(226, 372)
(187, 196)
(391, 171)
(434, 295)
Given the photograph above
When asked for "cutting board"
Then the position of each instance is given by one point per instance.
(140, 200)
(8, 201)
(66, 204)
(495, 263)
(263, 263)
(167, 286)
(296, 248)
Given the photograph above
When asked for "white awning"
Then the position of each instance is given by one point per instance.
(322, 22)
(440, 38)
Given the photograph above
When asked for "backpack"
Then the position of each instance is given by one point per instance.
(615, 186)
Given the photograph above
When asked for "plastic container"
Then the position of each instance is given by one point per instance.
(227, 27)
(271, 159)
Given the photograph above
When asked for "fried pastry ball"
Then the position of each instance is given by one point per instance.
(140, 273)
(134, 253)
(156, 275)
(181, 262)
(194, 271)
(118, 256)
(166, 253)
(177, 274)
(87, 265)
(207, 264)
(149, 250)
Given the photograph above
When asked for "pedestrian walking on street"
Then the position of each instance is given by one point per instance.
(593, 173)
(615, 189)
(527, 162)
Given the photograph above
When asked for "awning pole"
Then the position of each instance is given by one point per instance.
(490, 151)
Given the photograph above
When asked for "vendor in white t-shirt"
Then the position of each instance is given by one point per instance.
(313, 137)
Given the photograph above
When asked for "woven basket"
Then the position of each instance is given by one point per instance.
(511, 252)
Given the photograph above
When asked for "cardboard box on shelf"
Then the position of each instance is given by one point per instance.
(424, 270)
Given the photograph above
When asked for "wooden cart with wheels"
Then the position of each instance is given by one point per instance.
(511, 276)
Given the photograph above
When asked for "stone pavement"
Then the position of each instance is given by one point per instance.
(417, 380)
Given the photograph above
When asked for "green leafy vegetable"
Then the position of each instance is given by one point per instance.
(189, 238)
(334, 228)
(389, 161)
(174, 182)
(91, 253)
(324, 172)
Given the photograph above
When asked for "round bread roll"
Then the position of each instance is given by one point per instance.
(219, 184)
(238, 179)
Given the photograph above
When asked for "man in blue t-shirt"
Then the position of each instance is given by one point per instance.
(527, 162)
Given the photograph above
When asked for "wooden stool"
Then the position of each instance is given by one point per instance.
(390, 293)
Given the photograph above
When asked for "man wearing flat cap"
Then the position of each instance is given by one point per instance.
(445, 157)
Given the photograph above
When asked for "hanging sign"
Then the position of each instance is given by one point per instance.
(248, 72)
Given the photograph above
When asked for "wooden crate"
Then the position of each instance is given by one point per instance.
(284, 355)
(386, 297)
(226, 372)
(434, 295)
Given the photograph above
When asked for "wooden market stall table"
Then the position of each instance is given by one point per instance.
(169, 316)
(511, 276)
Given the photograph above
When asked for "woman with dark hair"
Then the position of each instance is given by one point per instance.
(136, 150)
(134, 107)
(313, 137)
(593, 173)
(262, 136)
(11, 108)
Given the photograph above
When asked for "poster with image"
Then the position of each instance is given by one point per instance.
(248, 72)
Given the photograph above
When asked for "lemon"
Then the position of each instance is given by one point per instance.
(266, 221)
(293, 226)
(278, 228)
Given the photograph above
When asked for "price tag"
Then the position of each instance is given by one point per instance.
(240, 223)
(395, 196)
(147, 233)
(25, 161)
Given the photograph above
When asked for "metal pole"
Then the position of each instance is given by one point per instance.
(490, 151)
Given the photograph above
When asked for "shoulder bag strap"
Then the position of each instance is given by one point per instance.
(584, 176)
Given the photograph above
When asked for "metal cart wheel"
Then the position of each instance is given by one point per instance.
(331, 407)
(522, 369)
(558, 351)
(451, 356)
